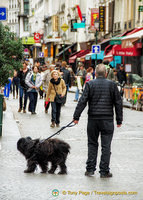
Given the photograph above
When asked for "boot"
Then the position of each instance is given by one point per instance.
(19, 110)
(52, 125)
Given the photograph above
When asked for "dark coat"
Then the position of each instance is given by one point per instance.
(121, 75)
(22, 76)
(66, 76)
(102, 95)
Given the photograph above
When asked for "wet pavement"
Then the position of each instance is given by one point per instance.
(126, 160)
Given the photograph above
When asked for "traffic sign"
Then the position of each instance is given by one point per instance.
(2, 14)
(78, 25)
(65, 27)
(96, 49)
(41, 54)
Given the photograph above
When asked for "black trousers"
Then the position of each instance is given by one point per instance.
(33, 101)
(105, 128)
(56, 111)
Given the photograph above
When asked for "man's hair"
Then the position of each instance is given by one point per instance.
(101, 70)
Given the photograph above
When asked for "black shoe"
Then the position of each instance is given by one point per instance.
(106, 175)
(89, 173)
(33, 113)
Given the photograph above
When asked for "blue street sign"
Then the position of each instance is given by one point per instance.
(78, 25)
(41, 54)
(83, 19)
(96, 49)
(2, 14)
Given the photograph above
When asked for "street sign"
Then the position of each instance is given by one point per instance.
(65, 27)
(2, 14)
(96, 49)
(72, 23)
(41, 54)
(140, 8)
(79, 25)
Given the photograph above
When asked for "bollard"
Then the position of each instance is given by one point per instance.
(1, 112)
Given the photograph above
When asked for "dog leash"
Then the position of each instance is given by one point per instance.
(58, 132)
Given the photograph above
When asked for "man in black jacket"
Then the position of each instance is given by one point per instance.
(23, 88)
(66, 76)
(102, 95)
(121, 75)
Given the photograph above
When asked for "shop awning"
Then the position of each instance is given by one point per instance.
(78, 55)
(109, 56)
(136, 35)
(130, 41)
(61, 52)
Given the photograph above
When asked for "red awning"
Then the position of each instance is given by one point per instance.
(124, 51)
(119, 51)
(109, 56)
(78, 55)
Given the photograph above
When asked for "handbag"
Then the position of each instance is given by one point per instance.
(58, 98)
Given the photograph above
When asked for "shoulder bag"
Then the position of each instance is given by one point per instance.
(59, 99)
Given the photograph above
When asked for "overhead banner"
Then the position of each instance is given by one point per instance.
(94, 16)
(102, 19)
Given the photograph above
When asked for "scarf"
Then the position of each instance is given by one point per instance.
(55, 82)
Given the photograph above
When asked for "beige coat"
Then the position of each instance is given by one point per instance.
(60, 89)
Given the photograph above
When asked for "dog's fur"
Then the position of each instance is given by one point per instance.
(40, 152)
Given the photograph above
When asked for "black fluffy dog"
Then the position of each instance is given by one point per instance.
(40, 152)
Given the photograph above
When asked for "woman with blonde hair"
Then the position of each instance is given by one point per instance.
(56, 86)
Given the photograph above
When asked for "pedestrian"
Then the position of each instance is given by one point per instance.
(56, 85)
(23, 88)
(102, 96)
(15, 83)
(121, 74)
(80, 79)
(109, 70)
(46, 76)
(89, 74)
(66, 77)
(34, 81)
(7, 88)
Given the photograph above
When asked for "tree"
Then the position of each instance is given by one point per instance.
(11, 52)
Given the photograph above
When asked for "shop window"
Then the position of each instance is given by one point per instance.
(26, 24)
(130, 24)
(26, 7)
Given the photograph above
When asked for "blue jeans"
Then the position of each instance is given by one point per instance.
(56, 111)
(33, 101)
(23, 92)
(77, 94)
(7, 89)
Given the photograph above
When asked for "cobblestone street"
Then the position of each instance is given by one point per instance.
(126, 161)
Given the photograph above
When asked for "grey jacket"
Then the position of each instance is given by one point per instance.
(28, 81)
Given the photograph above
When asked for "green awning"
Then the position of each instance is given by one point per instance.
(28, 40)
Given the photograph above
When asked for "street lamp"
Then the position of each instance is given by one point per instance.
(64, 39)
(96, 25)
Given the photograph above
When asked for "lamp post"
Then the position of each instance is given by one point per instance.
(64, 38)
(96, 25)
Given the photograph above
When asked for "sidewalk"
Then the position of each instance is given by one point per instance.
(126, 159)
